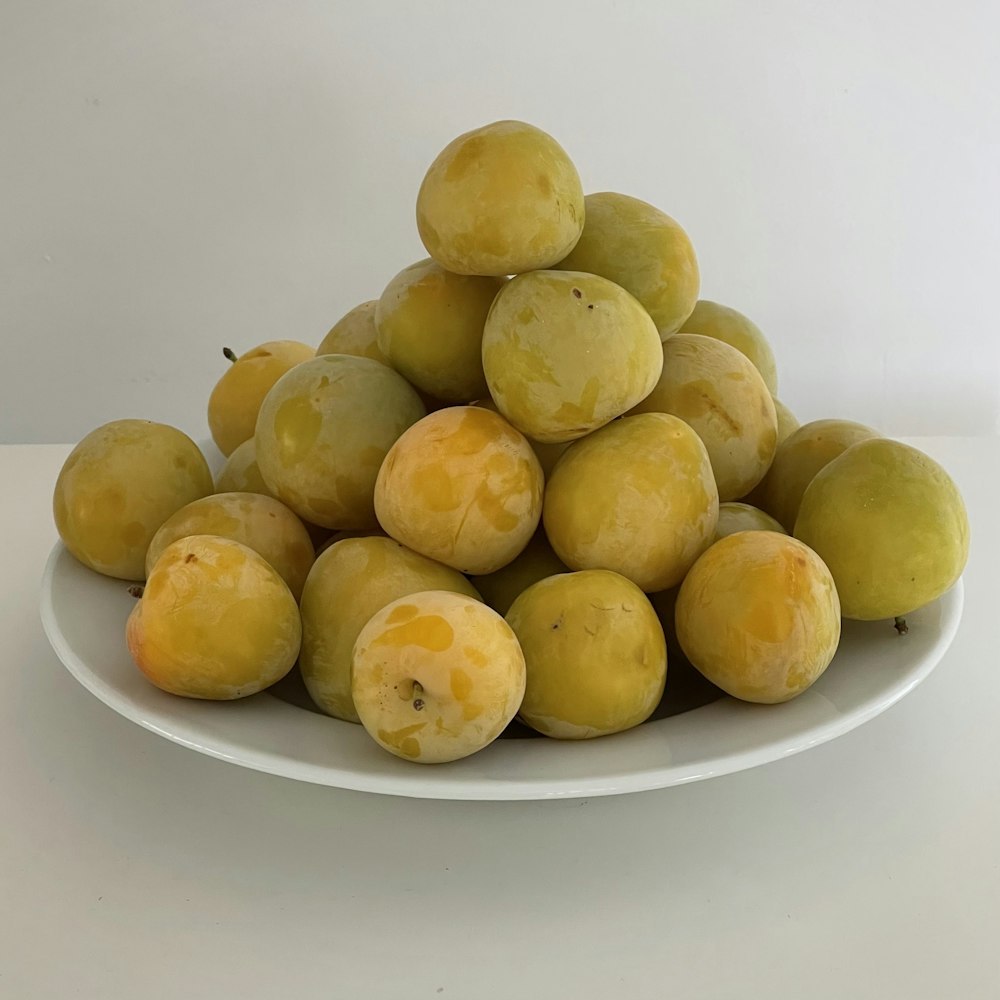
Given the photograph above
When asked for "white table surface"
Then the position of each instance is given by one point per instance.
(133, 868)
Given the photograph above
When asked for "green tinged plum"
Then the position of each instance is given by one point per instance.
(642, 249)
(323, 432)
(355, 333)
(637, 497)
(499, 200)
(565, 353)
(891, 525)
(430, 328)
(797, 460)
(116, 488)
(594, 652)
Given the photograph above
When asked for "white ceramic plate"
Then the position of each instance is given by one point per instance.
(84, 618)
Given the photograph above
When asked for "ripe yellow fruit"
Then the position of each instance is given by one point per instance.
(116, 488)
(565, 353)
(237, 396)
(499, 200)
(215, 621)
(463, 487)
(637, 497)
(758, 615)
(430, 328)
(594, 651)
(436, 676)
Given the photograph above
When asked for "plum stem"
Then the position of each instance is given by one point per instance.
(900, 625)
(136, 590)
(229, 354)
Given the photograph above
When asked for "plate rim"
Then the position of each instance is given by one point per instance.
(423, 784)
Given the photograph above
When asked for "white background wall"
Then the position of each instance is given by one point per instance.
(179, 175)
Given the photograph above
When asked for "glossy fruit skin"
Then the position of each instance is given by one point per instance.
(565, 353)
(262, 523)
(499, 200)
(594, 651)
(436, 676)
(462, 487)
(354, 333)
(890, 523)
(715, 389)
(758, 615)
(537, 561)
(237, 396)
(710, 319)
(797, 460)
(215, 621)
(323, 432)
(637, 497)
(734, 517)
(118, 485)
(430, 329)
(642, 249)
(349, 582)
